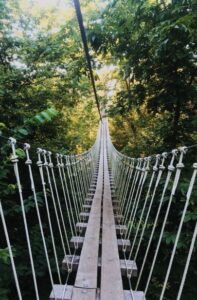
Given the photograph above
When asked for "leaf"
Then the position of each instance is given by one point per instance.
(190, 216)
(46, 116)
(23, 131)
(53, 112)
(2, 125)
(169, 238)
(38, 119)
(20, 153)
(4, 255)
(187, 218)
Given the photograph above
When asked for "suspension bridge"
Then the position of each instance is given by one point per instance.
(99, 204)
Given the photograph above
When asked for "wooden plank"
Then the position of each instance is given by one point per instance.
(88, 201)
(137, 295)
(119, 218)
(92, 189)
(84, 294)
(58, 292)
(87, 271)
(81, 226)
(129, 265)
(84, 216)
(90, 195)
(126, 243)
(86, 279)
(111, 281)
(71, 259)
(124, 265)
(116, 209)
(87, 207)
(127, 295)
(78, 293)
(89, 198)
(77, 240)
(121, 228)
(80, 240)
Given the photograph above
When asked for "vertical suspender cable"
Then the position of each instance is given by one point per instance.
(187, 263)
(189, 192)
(29, 165)
(40, 166)
(10, 253)
(14, 160)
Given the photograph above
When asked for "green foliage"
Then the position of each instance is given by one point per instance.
(46, 100)
(153, 45)
(5, 274)
(4, 255)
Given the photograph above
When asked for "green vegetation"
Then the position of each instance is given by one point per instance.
(152, 44)
(47, 101)
(43, 70)
(145, 70)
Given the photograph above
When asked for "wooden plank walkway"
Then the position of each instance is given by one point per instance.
(80, 240)
(123, 264)
(111, 281)
(101, 230)
(86, 280)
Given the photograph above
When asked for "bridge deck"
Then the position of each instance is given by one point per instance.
(111, 281)
(100, 229)
(88, 264)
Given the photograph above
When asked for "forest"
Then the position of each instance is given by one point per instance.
(143, 54)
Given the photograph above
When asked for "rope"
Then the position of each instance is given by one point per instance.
(137, 197)
(187, 263)
(29, 164)
(133, 187)
(131, 168)
(14, 160)
(69, 169)
(125, 207)
(63, 183)
(189, 192)
(161, 169)
(130, 187)
(65, 286)
(176, 180)
(46, 165)
(123, 178)
(10, 252)
(51, 166)
(171, 168)
(142, 213)
(76, 169)
(155, 169)
(40, 166)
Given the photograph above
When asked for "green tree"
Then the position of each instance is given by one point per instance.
(46, 100)
(153, 45)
